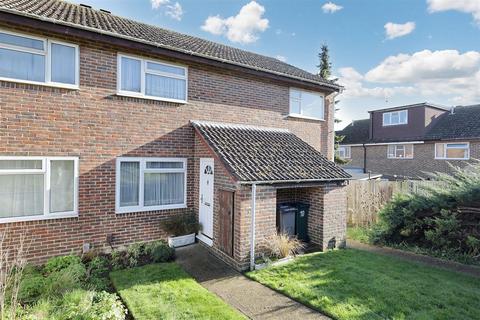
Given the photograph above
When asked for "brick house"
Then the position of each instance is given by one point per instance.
(111, 126)
(413, 140)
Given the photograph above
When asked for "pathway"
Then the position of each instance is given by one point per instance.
(249, 297)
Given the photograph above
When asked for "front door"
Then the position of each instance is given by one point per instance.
(206, 197)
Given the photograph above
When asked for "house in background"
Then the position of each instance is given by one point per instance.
(410, 141)
(110, 126)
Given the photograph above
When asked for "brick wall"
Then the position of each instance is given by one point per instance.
(357, 157)
(423, 161)
(98, 126)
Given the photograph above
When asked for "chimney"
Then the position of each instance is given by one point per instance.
(452, 110)
(353, 123)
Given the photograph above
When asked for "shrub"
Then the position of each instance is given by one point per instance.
(133, 254)
(64, 280)
(31, 288)
(282, 245)
(60, 263)
(181, 225)
(97, 273)
(159, 251)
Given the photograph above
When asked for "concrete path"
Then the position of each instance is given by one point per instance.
(434, 262)
(249, 297)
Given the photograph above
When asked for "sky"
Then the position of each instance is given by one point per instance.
(385, 53)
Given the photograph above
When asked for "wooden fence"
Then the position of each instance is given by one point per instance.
(366, 198)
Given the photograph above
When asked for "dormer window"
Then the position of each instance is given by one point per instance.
(395, 118)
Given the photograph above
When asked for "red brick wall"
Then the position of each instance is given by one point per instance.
(98, 126)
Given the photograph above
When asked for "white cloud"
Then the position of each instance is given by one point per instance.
(242, 28)
(467, 6)
(174, 11)
(425, 65)
(331, 7)
(281, 58)
(395, 30)
(156, 4)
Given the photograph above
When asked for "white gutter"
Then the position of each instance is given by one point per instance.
(390, 143)
(252, 228)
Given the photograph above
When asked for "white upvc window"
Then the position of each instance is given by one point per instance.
(395, 118)
(307, 104)
(400, 151)
(148, 184)
(34, 60)
(452, 151)
(344, 152)
(37, 188)
(151, 79)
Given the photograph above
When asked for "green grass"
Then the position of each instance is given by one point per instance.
(360, 234)
(352, 284)
(165, 291)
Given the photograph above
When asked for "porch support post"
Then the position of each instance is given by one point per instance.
(252, 228)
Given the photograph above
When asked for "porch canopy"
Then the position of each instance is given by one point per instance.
(261, 155)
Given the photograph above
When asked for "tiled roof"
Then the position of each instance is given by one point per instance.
(78, 16)
(257, 154)
(463, 123)
(355, 132)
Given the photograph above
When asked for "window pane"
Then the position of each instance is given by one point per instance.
(129, 183)
(456, 153)
(164, 87)
(391, 151)
(386, 118)
(457, 145)
(164, 165)
(21, 41)
(312, 105)
(439, 150)
(295, 106)
(400, 151)
(20, 164)
(22, 65)
(295, 94)
(164, 188)
(166, 68)
(21, 195)
(409, 151)
(403, 116)
(394, 118)
(131, 74)
(63, 64)
(62, 181)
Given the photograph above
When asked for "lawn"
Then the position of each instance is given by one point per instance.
(352, 284)
(165, 291)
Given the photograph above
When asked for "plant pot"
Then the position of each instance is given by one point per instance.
(180, 241)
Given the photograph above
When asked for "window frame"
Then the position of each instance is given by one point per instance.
(390, 116)
(144, 72)
(404, 145)
(445, 147)
(47, 44)
(46, 171)
(301, 115)
(143, 169)
(347, 155)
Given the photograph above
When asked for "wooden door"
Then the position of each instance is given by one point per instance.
(226, 199)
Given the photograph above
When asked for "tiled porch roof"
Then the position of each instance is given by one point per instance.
(268, 155)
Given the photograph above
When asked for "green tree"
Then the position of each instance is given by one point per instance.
(325, 66)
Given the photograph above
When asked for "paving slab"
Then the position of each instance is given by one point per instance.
(251, 298)
(430, 261)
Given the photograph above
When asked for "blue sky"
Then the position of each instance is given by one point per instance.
(385, 53)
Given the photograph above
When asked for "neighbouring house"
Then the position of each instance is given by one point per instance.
(413, 140)
(111, 126)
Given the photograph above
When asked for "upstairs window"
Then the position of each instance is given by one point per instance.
(28, 59)
(151, 79)
(395, 118)
(147, 184)
(452, 151)
(344, 152)
(34, 188)
(307, 104)
(400, 151)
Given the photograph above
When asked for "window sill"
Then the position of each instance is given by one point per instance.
(400, 158)
(299, 116)
(43, 84)
(39, 218)
(140, 96)
(121, 211)
(457, 159)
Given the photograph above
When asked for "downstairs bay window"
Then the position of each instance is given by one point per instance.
(148, 184)
(400, 151)
(36, 188)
